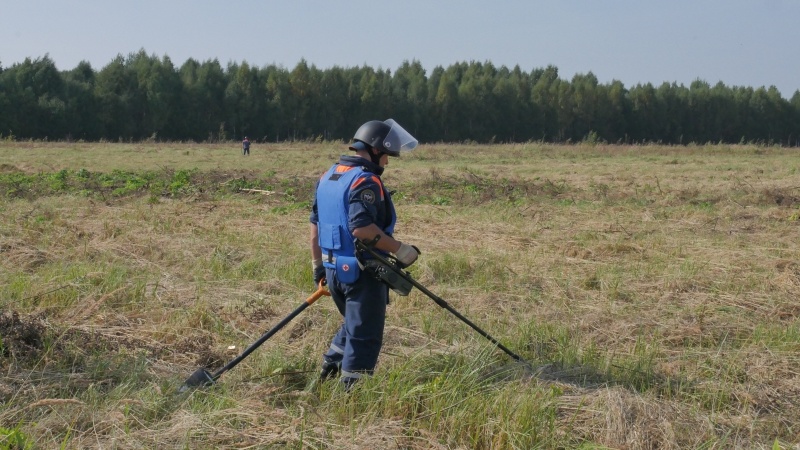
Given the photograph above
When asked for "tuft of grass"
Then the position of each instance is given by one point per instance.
(14, 439)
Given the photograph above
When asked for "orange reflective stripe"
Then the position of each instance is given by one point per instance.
(343, 169)
(380, 185)
(374, 178)
(357, 182)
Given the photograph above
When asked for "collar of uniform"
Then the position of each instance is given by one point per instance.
(350, 160)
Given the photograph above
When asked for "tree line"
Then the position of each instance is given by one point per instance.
(141, 96)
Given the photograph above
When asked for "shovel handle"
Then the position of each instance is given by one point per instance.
(319, 293)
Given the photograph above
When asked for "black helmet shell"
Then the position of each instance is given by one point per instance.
(373, 133)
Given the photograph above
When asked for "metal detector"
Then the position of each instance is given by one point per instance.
(201, 377)
(391, 265)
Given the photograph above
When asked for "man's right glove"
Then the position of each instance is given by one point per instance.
(407, 254)
(319, 272)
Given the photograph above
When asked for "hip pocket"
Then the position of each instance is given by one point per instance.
(347, 270)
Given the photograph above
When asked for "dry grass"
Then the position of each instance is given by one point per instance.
(657, 285)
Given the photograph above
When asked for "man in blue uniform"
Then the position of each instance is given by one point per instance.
(352, 203)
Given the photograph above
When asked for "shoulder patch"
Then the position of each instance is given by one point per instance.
(368, 196)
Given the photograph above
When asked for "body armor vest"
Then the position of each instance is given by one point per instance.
(333, 198)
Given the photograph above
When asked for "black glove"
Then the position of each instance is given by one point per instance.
(319, 274)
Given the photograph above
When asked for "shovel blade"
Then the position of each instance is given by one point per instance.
(200, 378)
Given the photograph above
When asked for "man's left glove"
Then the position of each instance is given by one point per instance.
(407, 254)
(319, 271)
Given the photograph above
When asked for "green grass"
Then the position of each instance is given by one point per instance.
(655, 288)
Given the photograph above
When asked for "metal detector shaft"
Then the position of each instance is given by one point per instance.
(438, 300)
(308, 302)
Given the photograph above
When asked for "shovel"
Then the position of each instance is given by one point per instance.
(201, 377)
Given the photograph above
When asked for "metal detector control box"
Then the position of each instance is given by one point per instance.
(389, 276)
(383, 267)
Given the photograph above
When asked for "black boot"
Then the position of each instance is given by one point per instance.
(330, 370)
(348, 383)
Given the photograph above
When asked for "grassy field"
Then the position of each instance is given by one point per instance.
(654, 288)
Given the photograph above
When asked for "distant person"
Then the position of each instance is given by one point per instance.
(246, 146)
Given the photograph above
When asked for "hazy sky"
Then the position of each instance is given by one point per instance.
(739, 42)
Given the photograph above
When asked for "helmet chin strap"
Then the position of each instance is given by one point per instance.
(376, 158)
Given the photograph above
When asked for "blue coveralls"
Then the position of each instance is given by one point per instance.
(245, 147)
(351, 195)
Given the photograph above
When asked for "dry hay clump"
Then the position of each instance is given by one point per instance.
(617, 418)
(259, 428)
(16, 253)
(787, 197)
(787, 278)
(9, 168)
(470, 188)
(23, 340)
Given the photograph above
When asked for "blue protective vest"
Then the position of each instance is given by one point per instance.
(333, 199)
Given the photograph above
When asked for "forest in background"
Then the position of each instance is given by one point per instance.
(145, 97)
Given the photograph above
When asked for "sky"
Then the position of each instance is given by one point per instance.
(738, 42)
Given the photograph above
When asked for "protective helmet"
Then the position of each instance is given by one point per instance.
(387, 137)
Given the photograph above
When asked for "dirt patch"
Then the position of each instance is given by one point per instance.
(203, 349)
(780, 197)
(210, 359)
(22, 337)
(262, 313)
